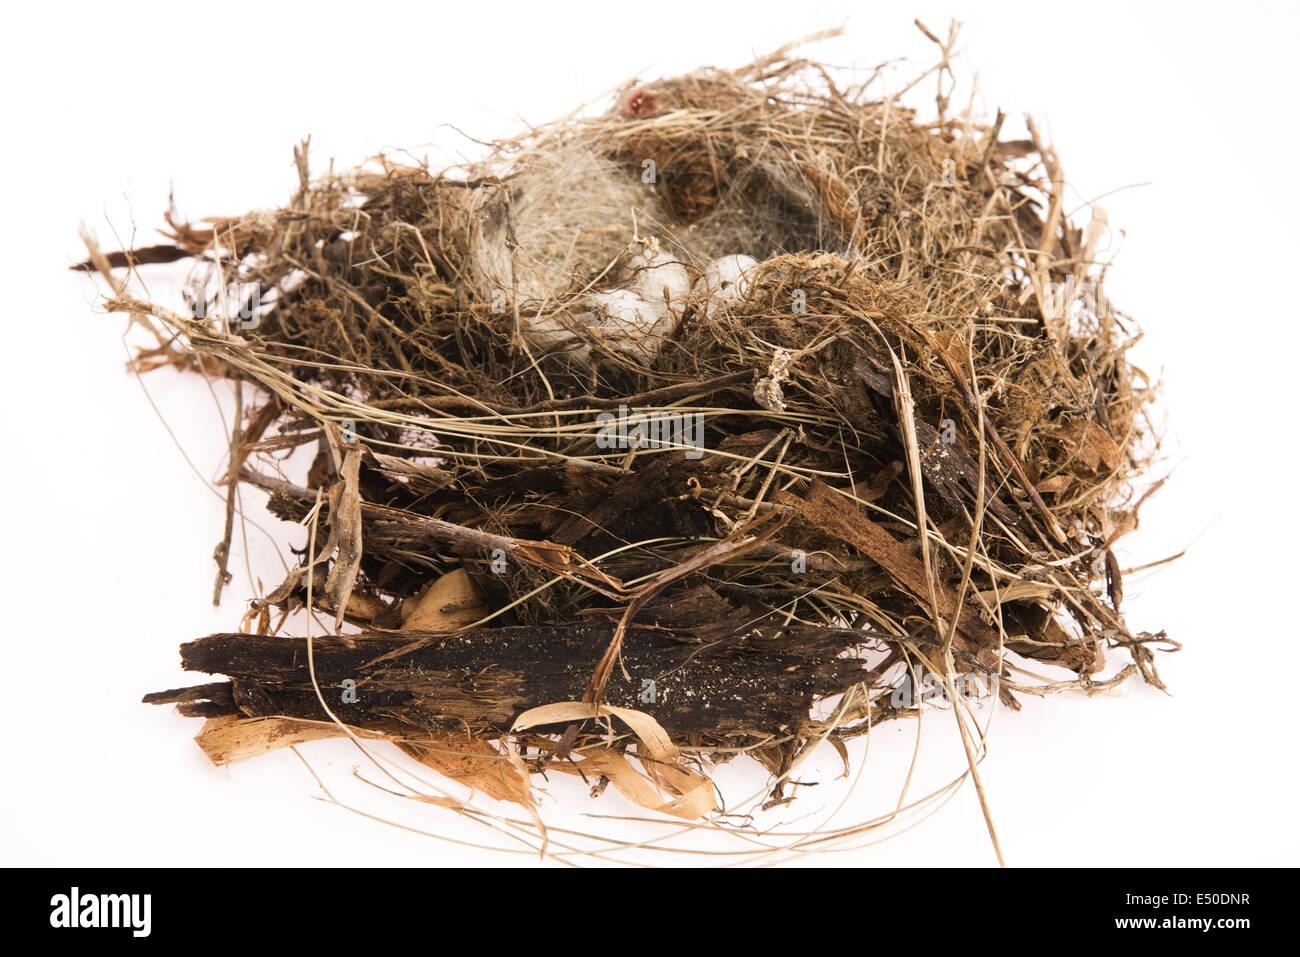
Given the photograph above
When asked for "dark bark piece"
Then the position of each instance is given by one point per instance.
(947, 466)
(949, 469)
(1047, 640)
(140, 256)
(486, 678)
(638, 505)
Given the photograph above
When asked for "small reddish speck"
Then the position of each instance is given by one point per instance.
(640, 102)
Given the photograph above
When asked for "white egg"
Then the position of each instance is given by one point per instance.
(663, 280)
(623, 310)
(725, 281)
(547, 332)
(634, 320)
(630, 323)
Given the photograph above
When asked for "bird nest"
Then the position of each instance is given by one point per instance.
(739, 418)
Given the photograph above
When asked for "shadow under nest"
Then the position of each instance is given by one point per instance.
(741, 564)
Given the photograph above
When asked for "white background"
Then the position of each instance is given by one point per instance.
(108, 532)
